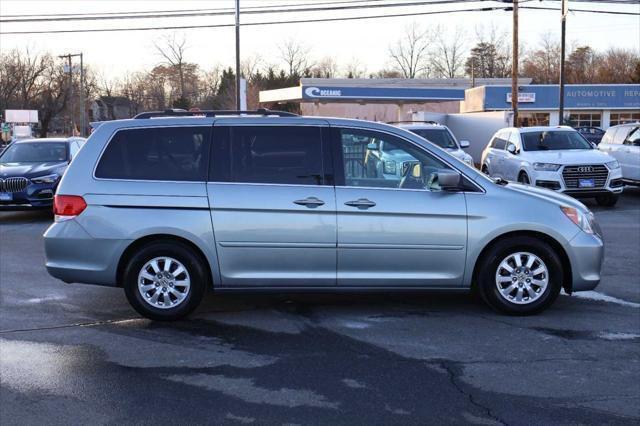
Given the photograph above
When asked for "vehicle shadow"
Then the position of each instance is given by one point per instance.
(25, 216)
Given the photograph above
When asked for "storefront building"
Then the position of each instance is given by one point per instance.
(595, 105)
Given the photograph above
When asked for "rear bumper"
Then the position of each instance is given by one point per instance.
(73, 256)
(586, 253)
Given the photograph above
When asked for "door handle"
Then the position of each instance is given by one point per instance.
(310, 202)
(361, 203)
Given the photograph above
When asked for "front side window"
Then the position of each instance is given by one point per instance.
(440, 137)
(368, 161)
(634, 137)
(35, 152)
(161, 153)
(500, 141)
(553, 140)
(287, 155)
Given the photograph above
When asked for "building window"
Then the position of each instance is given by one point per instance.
(624, 117)
(585, 119)
(529, 119)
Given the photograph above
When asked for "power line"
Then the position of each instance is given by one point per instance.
(300, 21)
(608, 12)
(269, 11)
(144, 12)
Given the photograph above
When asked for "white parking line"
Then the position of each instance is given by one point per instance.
(599, 297)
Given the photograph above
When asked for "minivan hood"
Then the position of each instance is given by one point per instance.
(570, 156)
(547, 194)
(30, 170)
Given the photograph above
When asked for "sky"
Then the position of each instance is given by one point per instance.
(114, 53)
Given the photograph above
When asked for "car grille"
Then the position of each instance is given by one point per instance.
(17, 184)
(572, 174)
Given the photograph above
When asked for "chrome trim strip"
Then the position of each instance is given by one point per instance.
(398, 246)
(253, 244)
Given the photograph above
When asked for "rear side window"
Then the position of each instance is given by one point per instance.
(268, 154)
(160, 153)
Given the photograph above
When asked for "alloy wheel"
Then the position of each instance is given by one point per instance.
(164, 282)
(522, 278)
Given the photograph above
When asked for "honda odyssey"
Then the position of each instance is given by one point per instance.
(170, 204)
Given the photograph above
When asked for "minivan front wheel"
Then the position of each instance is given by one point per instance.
(164, 281)
(520, 276)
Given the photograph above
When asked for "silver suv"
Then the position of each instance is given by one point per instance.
(168, 205)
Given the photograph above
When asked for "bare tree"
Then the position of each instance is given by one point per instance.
(173, 50)
(409, 54)
(295, 57)
(250, 66)
(355, 69)
(447, 54)
(327, 67)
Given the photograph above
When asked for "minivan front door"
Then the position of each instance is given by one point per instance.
(272, 207)
(394, 231)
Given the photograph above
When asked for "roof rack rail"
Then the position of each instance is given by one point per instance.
(212, 113)
(413, 122)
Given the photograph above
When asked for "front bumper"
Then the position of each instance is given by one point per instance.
(555, 181)
(34, 196)
(586, 253)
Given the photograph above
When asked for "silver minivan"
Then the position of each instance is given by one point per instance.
(168, 205)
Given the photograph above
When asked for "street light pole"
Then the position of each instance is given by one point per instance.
(238, 55)
(563, 26)
(82, 110)
(72, 117)
(514, 65)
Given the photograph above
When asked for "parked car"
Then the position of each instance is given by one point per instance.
(592, 134)
(556, 158)
(441, 136)
(30, 170)
(623, 143)
(168, 208)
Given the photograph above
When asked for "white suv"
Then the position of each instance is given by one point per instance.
(441, 136)
(623, 143)
(557, 158)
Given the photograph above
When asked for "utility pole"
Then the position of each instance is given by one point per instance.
(238, 55)
(514, 66)
(72, 117)
(563, 27)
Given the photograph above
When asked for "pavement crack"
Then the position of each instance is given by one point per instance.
(448, 366)
(61, 326)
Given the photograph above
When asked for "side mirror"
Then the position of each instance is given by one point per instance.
(511, 148)
(464, 144)
(445, 180)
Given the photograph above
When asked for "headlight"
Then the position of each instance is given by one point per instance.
(46, 179)
(584, 221)
(390, 167)
(611, 165)
(546, 167)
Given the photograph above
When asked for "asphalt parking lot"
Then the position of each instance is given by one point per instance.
(79, 354)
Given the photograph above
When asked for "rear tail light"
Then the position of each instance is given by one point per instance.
(67, 207)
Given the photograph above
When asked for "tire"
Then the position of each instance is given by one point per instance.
(490, 270)
(485, 169)
(523, 177)
(607, 200)
(184, 290)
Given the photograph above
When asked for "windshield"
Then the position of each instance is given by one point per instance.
(35, 152)
(440, 137)
(553, 140)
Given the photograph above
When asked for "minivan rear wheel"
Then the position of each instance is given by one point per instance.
(164, 281)
(520, 276)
